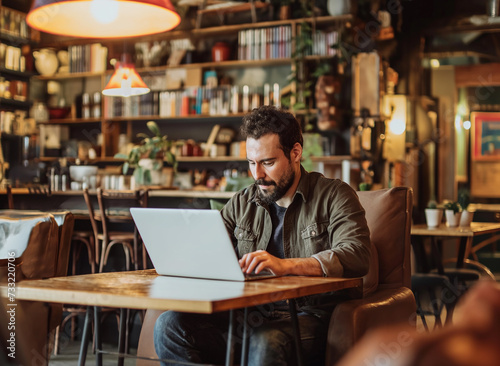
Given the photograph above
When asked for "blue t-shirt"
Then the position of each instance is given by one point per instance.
(275, 246)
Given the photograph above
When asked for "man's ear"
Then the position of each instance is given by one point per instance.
(296, 153)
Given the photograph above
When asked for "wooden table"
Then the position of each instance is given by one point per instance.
(465, 234)
(146, 290)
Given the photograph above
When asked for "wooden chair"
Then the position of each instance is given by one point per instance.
(10, 198)
(114, 210)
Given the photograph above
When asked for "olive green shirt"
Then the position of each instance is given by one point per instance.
(325, 221)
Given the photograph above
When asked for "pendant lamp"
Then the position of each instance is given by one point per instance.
(125, 81)
(103, 18)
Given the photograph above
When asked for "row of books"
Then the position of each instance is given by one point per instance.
(13, 23)
(203, 100)
(275, 42)
(11, 58)
(88, 58)
(265, 43)
(141, 105)
(323, 44)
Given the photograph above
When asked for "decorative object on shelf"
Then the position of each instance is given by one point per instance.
(103, 18)
(39, 112)
(125, 81)
(46, 61)
(339, 7)
(220, 52)
(150, 54)
(148, 156)
(84, 176)
(433, 214)
(63, 57)
(285, 10)
(59, 112)
(327, 99)
(453, 211)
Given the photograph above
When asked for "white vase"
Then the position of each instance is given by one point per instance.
(452, 219)
(149, 172)
(466, 218)
(338, 7)
(46, 61)
(433, 216)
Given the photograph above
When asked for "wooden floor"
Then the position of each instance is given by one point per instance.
(68, 356)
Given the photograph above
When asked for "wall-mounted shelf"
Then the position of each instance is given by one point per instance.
(202, 159)
(12, 103)
(18, 74)
(69, 121)
(13, 39)
(188, 118)
(189, 126)
(68, 76)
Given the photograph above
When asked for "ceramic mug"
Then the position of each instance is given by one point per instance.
(220, 52)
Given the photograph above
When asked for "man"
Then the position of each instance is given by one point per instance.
(289, 222)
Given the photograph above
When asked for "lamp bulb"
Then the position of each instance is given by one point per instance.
(104, 11)
(397, 126)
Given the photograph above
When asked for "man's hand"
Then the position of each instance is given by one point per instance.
(260, 260)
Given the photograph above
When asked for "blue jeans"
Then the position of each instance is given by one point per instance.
(201, 338)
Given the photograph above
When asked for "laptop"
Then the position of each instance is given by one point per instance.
(190, 243)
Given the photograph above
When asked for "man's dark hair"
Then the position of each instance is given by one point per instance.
(268, 119)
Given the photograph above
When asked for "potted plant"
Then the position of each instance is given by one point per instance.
(147, 157)
(464, 201)
(453, 211)
(433, 214)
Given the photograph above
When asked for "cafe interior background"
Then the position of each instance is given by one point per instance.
(389, 92)
(408, 78)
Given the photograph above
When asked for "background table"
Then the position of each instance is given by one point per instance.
(465, 234)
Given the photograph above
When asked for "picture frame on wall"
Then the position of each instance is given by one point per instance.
(485, 155)
(485, 136)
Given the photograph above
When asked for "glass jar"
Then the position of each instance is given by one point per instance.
(85, 105)
(96, 106)
(39, 112)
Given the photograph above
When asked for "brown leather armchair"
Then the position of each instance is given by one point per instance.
(46, 255)
(387, 297)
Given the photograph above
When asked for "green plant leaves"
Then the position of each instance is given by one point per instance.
(153, 127)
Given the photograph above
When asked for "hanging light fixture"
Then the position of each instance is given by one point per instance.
(103, 18)
(125, 81)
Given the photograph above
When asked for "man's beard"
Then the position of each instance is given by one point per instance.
(280, 188)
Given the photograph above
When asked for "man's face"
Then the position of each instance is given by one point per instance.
(273, 172)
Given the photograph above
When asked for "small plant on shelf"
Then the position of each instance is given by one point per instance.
(464, 201)
(464, 198)
(148, 155)
(433, 214)
(453, 211)
(453, 206)
(432, 205)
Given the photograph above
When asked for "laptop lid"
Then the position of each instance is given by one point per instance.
(188, 243)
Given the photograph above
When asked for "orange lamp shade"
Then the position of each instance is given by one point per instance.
(103, 18)
(125, 82)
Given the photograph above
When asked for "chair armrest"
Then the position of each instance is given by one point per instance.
(351, 319)
(146, 347)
